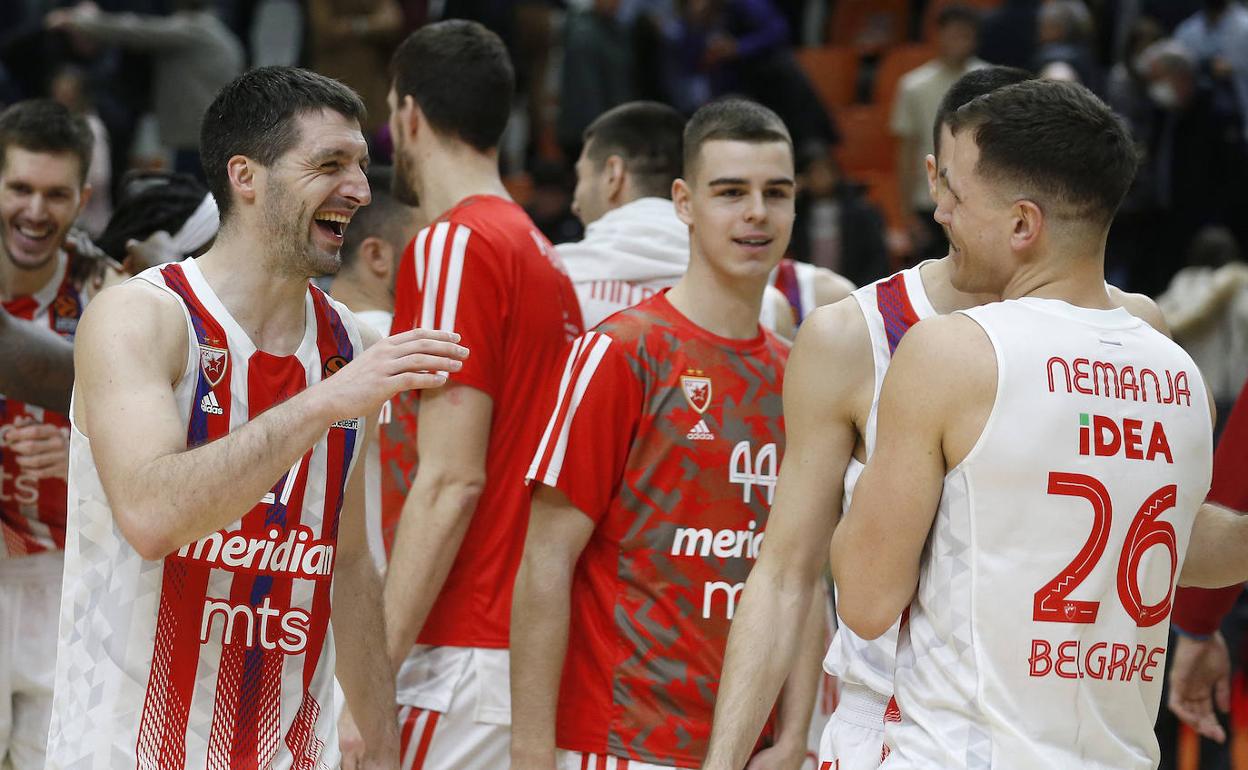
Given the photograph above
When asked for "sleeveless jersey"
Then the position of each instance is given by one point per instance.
(32, 510)
(1037, 638)
(890, 306)
(220, 655)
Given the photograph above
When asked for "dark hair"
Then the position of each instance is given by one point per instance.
(150, 201)
(1056, 142)
(734, 119)
(256, 116)
(386, 217)
(42, 125)
(459, 74)
(973, 84)
(957, 14)
(647, 136)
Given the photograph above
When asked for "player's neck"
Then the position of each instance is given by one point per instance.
(358, 296)
(451, 173)
(268, 303)
(17, 282)
(726, 308)
(938, 285)
(1078, 281)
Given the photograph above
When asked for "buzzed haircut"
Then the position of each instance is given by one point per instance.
(1055, 142)
(647, 136)
(460, 75)
(974, 84)
(385, 218)
(732, 119)
(42, 125)
(256, 116)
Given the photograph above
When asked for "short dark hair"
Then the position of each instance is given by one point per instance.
(974, 84)
(256, 116)
(733, 119)
(42, 125)
(1057, 142)
(460, 75)
(957, 14)
(385, 218)
(647, 136)
(150, 201)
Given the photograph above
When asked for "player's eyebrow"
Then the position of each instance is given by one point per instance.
(727, 180)
(338, 153)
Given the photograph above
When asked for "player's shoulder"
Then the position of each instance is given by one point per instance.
(947, 344)
(831, 286)
(834, 345)
(134, 318)
(1141, 306)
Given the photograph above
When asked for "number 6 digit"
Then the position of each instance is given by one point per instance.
(1146, 531)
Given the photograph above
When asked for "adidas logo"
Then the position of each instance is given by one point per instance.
(700, 432)
(208, 404)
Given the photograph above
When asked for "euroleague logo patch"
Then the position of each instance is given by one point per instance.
(333, 364)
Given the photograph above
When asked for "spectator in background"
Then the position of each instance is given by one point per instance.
(744, 46)
(69, 88)
(597, 70)
(837, 227)
(1065, 36)
(914, 112)
(1206, 306)
(1218, 37)
(351, 41)
(1008, 35)
(160, 217)
(194, 56)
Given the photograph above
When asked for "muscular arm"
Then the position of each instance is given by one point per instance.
(935, 401)
(131, 348)
(820, 436)
(797, 698)
(540, 609)
(831, 287)
(362, 667)
(1215, 554)
(452, 438)
(39, 365)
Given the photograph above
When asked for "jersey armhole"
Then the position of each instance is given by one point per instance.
(192, 341)
(989, 423)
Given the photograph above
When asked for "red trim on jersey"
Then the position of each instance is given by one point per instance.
(582, 351)
(893, 302)
(426, 738)
(175, 657)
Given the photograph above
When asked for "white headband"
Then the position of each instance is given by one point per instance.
(198, 228)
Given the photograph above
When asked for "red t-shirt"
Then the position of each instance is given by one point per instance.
(32, 510)
(485, 271)
(669, 438)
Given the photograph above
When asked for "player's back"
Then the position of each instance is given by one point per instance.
(1038, 635)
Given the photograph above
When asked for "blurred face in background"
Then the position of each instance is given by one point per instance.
(41, 194)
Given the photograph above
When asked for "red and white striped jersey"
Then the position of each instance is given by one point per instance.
(220, 655)
(32, 511)
(890, 306)
(1037, 637)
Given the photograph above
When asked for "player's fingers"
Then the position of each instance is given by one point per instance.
(1222, 694)
(41, 461)
(424, 334)
(421, 380)
(423, 362)
(39, 446)
(1198, 715)
(430, 347)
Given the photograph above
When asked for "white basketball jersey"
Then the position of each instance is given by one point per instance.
(1037, 638)
(220, 655)
(891, 306)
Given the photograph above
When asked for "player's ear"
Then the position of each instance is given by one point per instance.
(377, 255)
(242, 175)
(681, 198)
(1028, 225)
(930, 162)
(614, 171)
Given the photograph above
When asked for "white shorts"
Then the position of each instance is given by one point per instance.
(454, 709)
(577, 760)
(854, 736)
(30, 600)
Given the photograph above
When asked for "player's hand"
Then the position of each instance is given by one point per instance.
(1200, 678)
(350, 742)
(413, 360)
(41, 450)
(781, 756)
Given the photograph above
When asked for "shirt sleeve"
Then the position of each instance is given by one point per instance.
(451, 279)
(593, 418)
(1201, 610)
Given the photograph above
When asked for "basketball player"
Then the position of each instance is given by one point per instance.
(483, 270)
(1008, 434)
(654, 478)
(216, 503)
(827, 446)
(44, 155)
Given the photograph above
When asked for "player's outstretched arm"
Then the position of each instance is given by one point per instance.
(540, 609)
(936, 398)
(819, 439)
(363, 669)
(131, 349)
(39, 365)
(1216, 552)
(452, 441)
